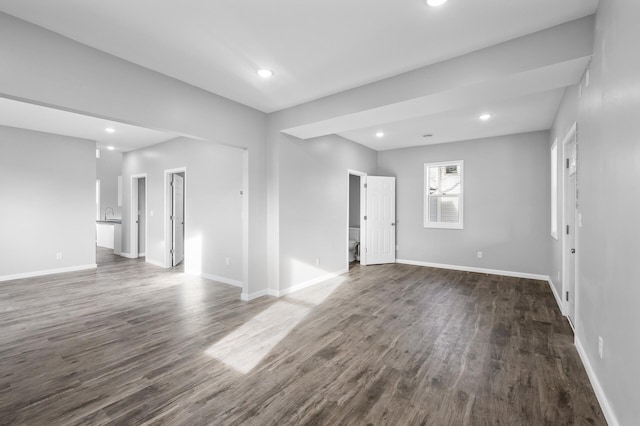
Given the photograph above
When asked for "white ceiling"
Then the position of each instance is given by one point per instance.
(49, 120)
(315, 47)
(517, 115)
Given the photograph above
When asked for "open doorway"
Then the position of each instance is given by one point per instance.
(138, 215)
(354, 216)
(175, 190)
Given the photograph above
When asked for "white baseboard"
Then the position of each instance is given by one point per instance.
(127, 255)
(556, 295)
(48, 272)
(154, 262)
(474, 269)
(216, 278)
(597, 388)
(142, 254)
(247, 297)
(288, 290)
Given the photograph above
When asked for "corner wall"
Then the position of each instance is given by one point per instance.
(213, 205)
(506, 204)
(314, 188)
(47, 190)
(607, 293)
(45, 68)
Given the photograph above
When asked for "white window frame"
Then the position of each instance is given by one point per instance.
(427, 196)
(554, 189)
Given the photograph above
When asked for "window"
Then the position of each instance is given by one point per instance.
(443, 199)
(554, 189)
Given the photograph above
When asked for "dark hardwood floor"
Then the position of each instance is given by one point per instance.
(131, 343)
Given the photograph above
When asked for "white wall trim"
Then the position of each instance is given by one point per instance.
(474, 269)
(362, 208)
(247, 297)
(167, 211)
(127, 255)
(597, 388)
(288, 290)
(155, 262)
(133, 223)
(556, 296)
(142, 254)
(47, 272)
(216, 278)
(309, 283)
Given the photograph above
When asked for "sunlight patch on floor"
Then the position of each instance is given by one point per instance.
(245, 347)
(248, 345)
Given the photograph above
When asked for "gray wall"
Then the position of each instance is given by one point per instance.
(46, 68)
(213, 221)
(607, 294)
(354, 201)
(313, 188)
(109, 167)
(506, 203)
(47, 190)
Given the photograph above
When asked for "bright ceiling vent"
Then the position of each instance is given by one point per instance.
(436, 3)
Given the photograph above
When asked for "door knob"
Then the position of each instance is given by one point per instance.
(573, 251)
(393, 224)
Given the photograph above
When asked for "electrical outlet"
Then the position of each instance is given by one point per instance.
(558, 276)
(151, 213)
(480, 255)
(226, 261)
(317, 261)
(59, 255)
(600, 346)
(579, 220)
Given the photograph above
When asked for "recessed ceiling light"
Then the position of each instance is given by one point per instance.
(434, 3)
(111, 148)
(265, 73)
(379, 134)
(110, 130)
(485, 117)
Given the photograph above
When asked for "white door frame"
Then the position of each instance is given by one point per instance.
(167, 210)
(362, 207)
(573, 132)
(133, 230)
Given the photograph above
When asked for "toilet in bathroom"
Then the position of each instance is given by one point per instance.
(354, 244)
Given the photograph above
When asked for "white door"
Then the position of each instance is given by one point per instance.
(380, 222)
(570, 289)
(570, 230)
(177, 219)
(135, 217)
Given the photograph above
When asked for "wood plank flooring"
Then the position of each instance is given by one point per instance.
(133, 344)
